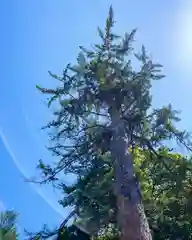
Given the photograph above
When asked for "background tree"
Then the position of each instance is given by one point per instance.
(7, 225)
(166, 189)
(105, 109)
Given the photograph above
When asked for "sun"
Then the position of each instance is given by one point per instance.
(186, 31)
(182, 37)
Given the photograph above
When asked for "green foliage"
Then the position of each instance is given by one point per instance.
(63, 233)
(102, 82)
(166, 189)
(7, 225)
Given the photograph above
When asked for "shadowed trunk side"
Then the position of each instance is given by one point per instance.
(131, 218)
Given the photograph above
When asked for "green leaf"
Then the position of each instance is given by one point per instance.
(76, 68)
(157, 65)
(90, 54)
(102, 81)
(89, 107)
(38, 86)
(101, 34)
(158, 77)
(81, 60)
(143, 54)
(51, 100)
(53, 75)
(65, 102)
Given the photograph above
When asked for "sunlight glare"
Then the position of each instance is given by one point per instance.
(182, 37)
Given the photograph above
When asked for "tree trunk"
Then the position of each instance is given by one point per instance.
(131, 218)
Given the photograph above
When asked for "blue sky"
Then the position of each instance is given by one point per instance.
(37, 36)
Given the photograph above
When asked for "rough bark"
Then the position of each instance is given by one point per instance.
(131, 219)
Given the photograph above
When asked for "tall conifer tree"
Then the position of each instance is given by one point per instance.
(105, 109)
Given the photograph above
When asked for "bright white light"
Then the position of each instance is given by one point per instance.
(182, 37)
